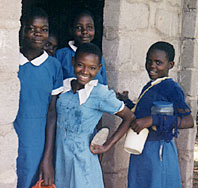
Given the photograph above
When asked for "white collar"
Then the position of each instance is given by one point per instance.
(158, 80)
(72, 46)
(37, 61)
(83, 93)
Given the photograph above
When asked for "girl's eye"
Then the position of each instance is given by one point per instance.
(47, 44)
(92, 68)
(158, 62)
(29, 29)
(90, 27)
(45, 29)
(79, 65)
(78, 28)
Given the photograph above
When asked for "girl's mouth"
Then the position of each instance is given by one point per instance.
(152, 73)
(38, 41)
(84, 78)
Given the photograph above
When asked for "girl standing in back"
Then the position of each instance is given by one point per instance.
(41, 81)
(83, 31)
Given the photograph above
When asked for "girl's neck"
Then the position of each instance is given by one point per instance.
(31, 54)
(76, 44)
(76, 86)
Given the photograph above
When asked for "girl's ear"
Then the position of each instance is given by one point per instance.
(171, 64)
(100, 65)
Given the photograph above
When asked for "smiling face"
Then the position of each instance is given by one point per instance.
(35, 33)
(86, 66)
(157, 64)
(83, 30)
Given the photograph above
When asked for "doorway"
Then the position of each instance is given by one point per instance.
(61, 12)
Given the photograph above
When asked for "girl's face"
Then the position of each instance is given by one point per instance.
(86, 66)
(157, 64)
(35, 33)
(83, 30)
(51, 45)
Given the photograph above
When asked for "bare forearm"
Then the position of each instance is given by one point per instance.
(186, 122)
(123, 128)
(127, 118)
(50, 129)
(50, 135)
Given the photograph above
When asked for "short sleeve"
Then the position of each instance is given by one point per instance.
(58, 79)
(65, 55)
(109, 103)
(177, 97)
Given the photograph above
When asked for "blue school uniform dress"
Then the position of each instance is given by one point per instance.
(65, 55)
(157, 166)
(77, 117)
(39, 79)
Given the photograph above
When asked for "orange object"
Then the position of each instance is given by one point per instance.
(39, 185)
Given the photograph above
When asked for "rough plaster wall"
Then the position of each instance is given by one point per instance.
(9, 87)
(130, 27)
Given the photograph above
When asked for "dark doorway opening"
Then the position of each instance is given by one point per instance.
(61, 12)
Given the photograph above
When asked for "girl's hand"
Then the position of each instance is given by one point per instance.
(122, 96)
(142, 123)
(97, 149)
(46, 173)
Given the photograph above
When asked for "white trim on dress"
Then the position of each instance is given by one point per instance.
(72, 46)
(57, 91)
(37, 61)
(82, 93)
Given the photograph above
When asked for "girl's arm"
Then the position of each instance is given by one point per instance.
(125, 98)
(127, 117)
(46, 171)
(146, 122)
(142, 123)
(186, 122)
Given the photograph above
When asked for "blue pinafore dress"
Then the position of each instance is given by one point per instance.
(39, 79)
(75, 165)
(157, 166)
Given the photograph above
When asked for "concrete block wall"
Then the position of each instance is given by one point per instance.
(187, 77)
(9, 87)
(130, 27)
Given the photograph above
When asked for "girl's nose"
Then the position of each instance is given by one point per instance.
(153, 65)
(84, 30)
(38, 31)
(85, 70)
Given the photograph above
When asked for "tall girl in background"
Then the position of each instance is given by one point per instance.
(41, 80)
(79, 108)
(157, 166)
(83, 31)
